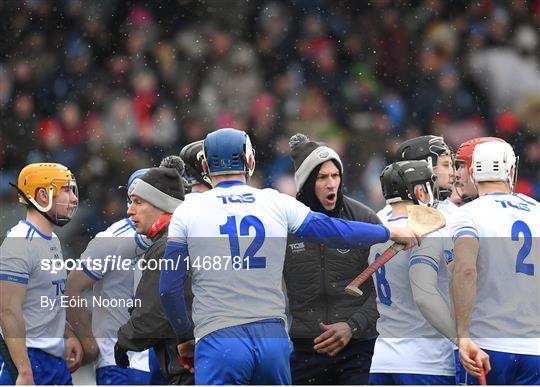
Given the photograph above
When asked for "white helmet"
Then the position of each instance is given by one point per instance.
(493, 161)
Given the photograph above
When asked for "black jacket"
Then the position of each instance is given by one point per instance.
(316, 276)
(148, 326)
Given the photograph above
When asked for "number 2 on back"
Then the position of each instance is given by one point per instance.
(518, 228)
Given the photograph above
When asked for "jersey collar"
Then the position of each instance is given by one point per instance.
(229, 183)
(47, 237)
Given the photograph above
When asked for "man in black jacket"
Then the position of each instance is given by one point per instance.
(326, 321)
(154, 198)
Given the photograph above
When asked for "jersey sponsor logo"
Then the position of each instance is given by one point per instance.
(233, 198)
(60, 286)
(297, 247)
(509, 204)
(343, 251)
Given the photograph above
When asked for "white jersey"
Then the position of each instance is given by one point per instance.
(241, 234)
(506, 316)
(27, 257)
(385, 213)
(122, 242)
(407, 343)
(447, 208)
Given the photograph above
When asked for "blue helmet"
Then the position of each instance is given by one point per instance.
(135, 175)
(228, 151)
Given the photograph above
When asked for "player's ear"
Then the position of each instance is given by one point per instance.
(420, 193)
(251, 162)
(42, 196)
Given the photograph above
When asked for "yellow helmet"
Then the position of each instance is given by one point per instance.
(50, 176)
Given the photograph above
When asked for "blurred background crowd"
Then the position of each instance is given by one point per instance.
(109, 86)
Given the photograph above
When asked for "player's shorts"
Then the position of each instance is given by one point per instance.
(114, 375)
(46, 368)
(156, 376)
(254, 353)
(409, 379)
(506, 368)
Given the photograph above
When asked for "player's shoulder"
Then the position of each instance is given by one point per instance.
(273, 193)
(532, 203)
(123, 227)
(20, 230)
(447, 208)
(28, 232)
(385, 212)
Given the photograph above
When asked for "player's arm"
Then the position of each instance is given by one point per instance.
(78, 317)
(341, 233)
(423, 276)
(12, 296)
(466, 248)
(464, 281)
(171, 286)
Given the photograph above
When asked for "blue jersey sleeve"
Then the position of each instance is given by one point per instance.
(341, 233)
(171, 286)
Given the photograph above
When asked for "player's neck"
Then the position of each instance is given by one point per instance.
(199, 188)
(40, 222)
(221, 178)
(491, 187)
(399, 209)
(455, 198)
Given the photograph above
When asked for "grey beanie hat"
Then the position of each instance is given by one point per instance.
(162, 187)
(307, 155)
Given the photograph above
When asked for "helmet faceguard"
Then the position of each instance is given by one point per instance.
(53, 178)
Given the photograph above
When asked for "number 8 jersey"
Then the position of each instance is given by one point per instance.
(236, 238)
(506, 316)
(407, 343)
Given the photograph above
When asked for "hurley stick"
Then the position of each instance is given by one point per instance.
(421, 219)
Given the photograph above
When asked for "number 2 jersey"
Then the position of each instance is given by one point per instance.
(506, 316)
(407, 343)
(236, 237)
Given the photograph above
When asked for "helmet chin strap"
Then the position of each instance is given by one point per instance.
(60, 222)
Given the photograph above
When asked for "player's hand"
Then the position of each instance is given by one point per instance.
(333, 339)
(405, 236)
(120, 356)
(471, 356)
(90, 349)
(25, 379)
(186, 352)
(73, 354)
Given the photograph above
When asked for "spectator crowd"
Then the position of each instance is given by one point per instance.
(109, 86)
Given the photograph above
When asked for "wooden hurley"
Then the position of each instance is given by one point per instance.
(421, 219)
